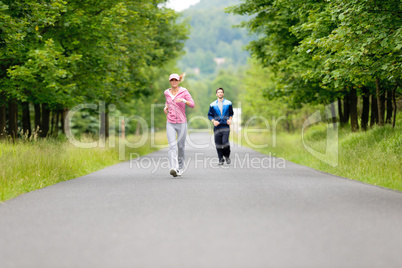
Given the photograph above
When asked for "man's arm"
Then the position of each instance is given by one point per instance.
(211, 113)
(229, 121)
(211, 116)
(230, 114)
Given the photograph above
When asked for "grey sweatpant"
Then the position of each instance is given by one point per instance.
(176, 160)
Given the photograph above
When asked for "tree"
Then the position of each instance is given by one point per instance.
(366, 44)
(67, 53)
(322, 51)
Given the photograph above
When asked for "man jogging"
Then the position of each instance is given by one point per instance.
(221, 113)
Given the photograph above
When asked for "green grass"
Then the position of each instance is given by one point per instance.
(373, 157)
(28, 165)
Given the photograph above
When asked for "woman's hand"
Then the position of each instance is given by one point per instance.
(166, 110)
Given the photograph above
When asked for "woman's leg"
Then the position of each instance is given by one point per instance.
(171, 136)
(181, 142)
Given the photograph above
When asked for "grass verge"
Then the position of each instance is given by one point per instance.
(30, 165)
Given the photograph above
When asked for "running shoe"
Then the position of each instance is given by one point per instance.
(173, 172)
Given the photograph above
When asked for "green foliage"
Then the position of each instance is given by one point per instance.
(321, 49)
(258, 107)
(213, 36)
(252, 97)
(366, 41)
(63, 53)
(231, 81)
(85, 122)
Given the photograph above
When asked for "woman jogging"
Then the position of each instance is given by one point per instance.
(175, 109)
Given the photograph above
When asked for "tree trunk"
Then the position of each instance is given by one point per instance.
(106, 125)
(58, 115)
(289, 121)
(394, 103)
(383, 105)
(366, 108)
(64, 113)
(380, 102)
(38, 121)
(138, 129)
(287, 126)
(13, 119)
(45, 120)
(26, 119)
(333, 114)
(353, 110)
(388, 119)
(374, 111)
(51, 131)
(102, 129)
(2, 121)
(346, 109)
(104, 122)
(340, 112)
(54, 130)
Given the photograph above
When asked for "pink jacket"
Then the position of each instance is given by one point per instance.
(177, 110)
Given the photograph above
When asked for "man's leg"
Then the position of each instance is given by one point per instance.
(226, 145)
(218, 144)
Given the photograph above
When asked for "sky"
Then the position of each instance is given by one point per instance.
(180, 5)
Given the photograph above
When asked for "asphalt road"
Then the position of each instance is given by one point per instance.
(257, 212)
